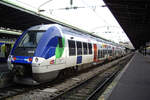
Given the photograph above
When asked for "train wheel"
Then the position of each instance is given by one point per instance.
(76, 68)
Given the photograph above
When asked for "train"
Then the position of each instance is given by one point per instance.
(7, 40)
(5, 48)
(43, 51)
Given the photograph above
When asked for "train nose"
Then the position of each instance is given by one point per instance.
(18, 70)
(22, 70)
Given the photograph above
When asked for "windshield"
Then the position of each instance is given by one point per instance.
(31, 39)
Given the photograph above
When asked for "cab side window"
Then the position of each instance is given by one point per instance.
(60, 42)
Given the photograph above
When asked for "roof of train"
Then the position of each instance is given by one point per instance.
(78, 33)
(73, 32)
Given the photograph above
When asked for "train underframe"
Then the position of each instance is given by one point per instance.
(23, 73)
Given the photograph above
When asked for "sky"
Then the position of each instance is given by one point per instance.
(92, 16)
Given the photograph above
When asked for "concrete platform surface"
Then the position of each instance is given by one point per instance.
(135, 81)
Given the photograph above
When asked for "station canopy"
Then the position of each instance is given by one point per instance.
(134, 17)
(18, 18)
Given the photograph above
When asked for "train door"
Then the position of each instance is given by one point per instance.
(95, 52)
(71, 58)
(99, 52)
(79, 52)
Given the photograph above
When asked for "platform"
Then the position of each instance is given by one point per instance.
(134, 83)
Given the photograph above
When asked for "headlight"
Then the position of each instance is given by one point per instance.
(9, 58)
(36, 59)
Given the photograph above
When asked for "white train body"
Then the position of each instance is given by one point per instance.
(56, 48)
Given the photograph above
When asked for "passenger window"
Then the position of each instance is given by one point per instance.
(79, 48)
(99, 53)
(85, 48)
(111, 53)
(72, 48)
(60, 42)
(104, 53)
(90, 48)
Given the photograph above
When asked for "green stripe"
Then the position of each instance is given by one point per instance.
(59, 51)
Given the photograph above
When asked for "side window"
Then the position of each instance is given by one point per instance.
(60, 42)
(90, 48)
(104, 53)
(108, 52)
(85, 48)
(111, 53)
(79, 48)
(99, 53)
(72, 48)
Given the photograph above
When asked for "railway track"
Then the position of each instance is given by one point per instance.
(56, 88)
(11, 91)
(88, 89)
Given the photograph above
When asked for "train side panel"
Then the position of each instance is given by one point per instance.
(45, 50)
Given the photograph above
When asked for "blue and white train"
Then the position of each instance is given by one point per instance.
(5, 48)
(42, 51)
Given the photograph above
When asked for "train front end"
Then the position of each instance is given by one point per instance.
(29, 55)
